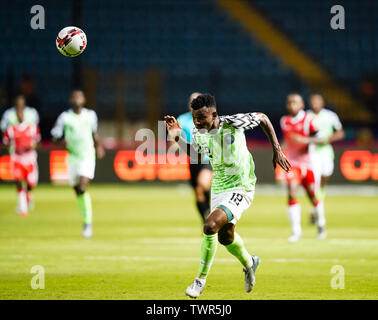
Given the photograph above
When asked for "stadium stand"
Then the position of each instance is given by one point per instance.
(215, 54)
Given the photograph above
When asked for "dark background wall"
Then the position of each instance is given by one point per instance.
(192, 45)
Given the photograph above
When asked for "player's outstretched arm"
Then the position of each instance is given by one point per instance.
(314, 138)
(6, 140)
(58, 141)
(57, 132)
(37, 138)
(278, 156)
(337, 136)
(174, 130)
(100, 152)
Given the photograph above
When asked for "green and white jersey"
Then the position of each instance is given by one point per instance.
(228, 153)
(326, 122)
(77, 130)
(9, 117)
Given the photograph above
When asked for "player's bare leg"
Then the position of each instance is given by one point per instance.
(29, 196)
(294, 212)
(202, 192)
(320, 193)
(323, 182)
(322, 234)
(318, 210)
(85, 205)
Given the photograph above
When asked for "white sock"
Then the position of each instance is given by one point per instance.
(22, 202)
(294, 213)
(319, 209)
(203, 281)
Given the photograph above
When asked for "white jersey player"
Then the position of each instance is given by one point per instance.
(9, 117)
(78, 128)
(329, 127)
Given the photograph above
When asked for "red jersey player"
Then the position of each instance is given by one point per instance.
(23, 138)
(299, 131)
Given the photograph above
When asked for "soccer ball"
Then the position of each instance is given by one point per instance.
(71, 41)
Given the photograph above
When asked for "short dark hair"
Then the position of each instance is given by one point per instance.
(294, 93)
(76, 90)
(203, 100)
(317, 94)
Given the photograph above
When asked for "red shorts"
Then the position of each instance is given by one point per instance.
(303, 176)
(25, 171)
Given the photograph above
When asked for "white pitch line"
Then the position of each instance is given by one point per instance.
(224, 260)
(332, 190)
(191, 259)
(191, 240)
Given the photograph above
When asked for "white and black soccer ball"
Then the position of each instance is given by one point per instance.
(71, 41)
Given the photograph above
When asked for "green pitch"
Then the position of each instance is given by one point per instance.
(147, 240)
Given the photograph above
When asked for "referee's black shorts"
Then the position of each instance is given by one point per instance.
(195, 169)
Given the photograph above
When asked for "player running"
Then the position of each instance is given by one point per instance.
(200, 173)
(232, 189)
(299, 131)
(10, 115)
(330, 128)
(9, 118)
(22, 138)
(78, 128)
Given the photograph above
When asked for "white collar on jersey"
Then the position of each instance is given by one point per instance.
(81, 111)
(22, 125)
(322, 110)
(298, 117)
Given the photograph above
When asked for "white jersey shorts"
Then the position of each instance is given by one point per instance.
(81, 168)
(324, 165)
(233, 202)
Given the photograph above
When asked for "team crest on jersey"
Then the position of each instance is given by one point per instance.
(229, 138)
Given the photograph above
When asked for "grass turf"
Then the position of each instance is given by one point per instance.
(147, 240)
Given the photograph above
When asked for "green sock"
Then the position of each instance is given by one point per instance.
(237, 249)
(208, 249)
(85, 207)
